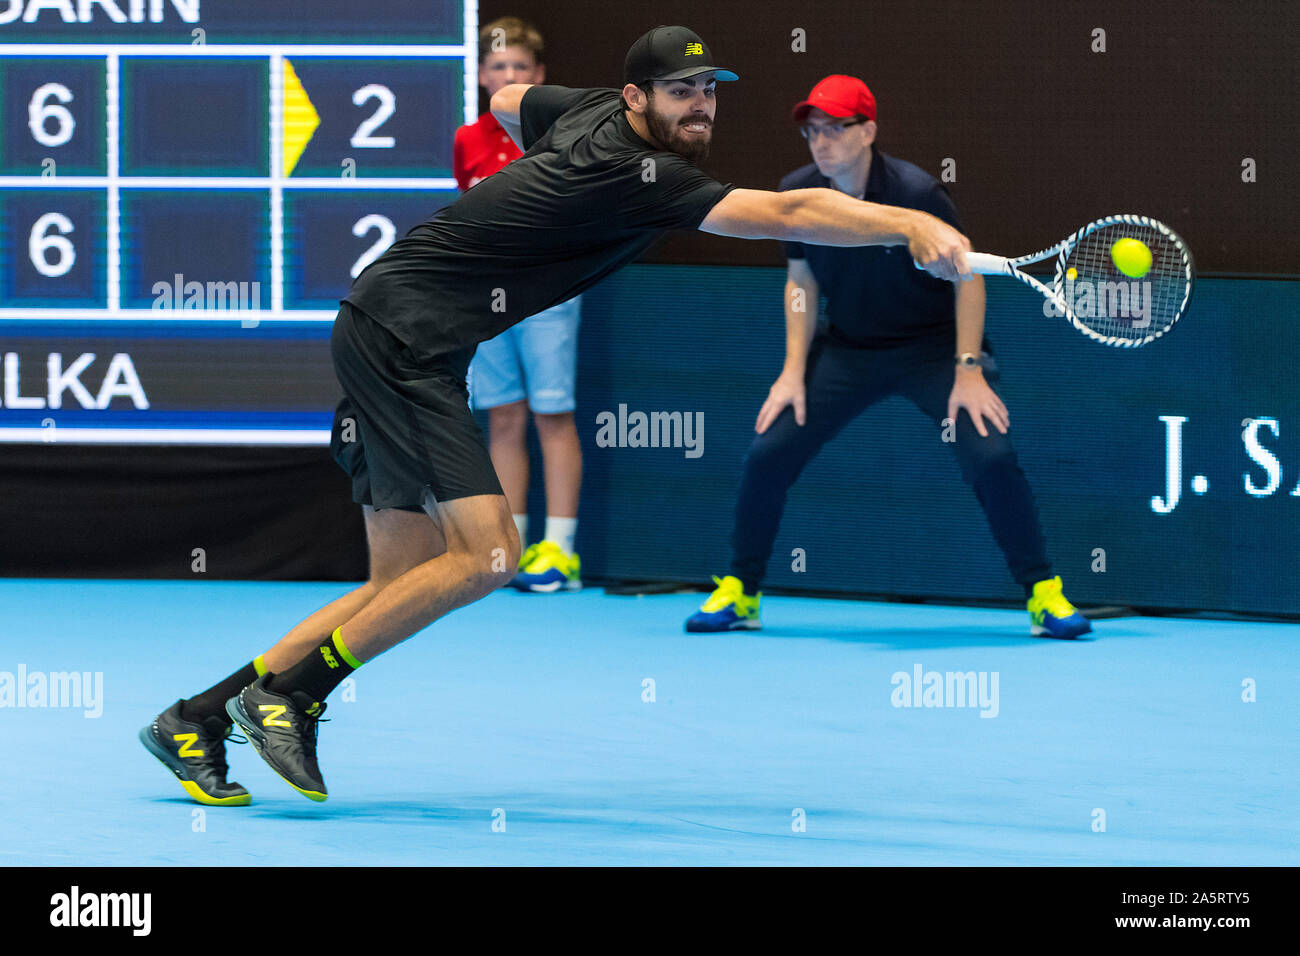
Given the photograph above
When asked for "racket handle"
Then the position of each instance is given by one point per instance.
(983, 264)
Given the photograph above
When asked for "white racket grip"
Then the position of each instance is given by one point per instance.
(983, 264)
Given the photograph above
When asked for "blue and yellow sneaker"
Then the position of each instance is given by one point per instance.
(544, 568)
(1051, 615)
(525, 559)
(728, 608)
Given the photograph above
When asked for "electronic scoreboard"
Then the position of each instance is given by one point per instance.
(187, 188)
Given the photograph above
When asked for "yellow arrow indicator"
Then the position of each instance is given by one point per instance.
(300, 119)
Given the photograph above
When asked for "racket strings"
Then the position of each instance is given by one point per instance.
(1111, 303)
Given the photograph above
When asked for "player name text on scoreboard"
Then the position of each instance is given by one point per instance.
(85, 11)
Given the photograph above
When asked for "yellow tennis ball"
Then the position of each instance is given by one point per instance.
(1131, 257)
(1072, 273)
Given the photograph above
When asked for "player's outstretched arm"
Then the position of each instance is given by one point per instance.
(826, 217)
(505, 107)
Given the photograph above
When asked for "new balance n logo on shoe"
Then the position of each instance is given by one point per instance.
(188, 742)
(272, 712)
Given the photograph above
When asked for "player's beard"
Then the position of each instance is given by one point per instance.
(669, 132)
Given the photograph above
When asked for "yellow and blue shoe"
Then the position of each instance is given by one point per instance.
(545, 568)
(1051, 615)
(728, 608)
(525, 559)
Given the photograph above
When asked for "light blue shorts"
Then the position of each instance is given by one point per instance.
(536, 359)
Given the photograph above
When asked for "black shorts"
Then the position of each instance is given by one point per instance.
(403, 430)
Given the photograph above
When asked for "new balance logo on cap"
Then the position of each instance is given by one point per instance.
(671, 53)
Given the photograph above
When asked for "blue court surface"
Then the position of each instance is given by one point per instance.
(784, 746)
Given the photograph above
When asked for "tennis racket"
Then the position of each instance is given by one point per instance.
(1105, 304)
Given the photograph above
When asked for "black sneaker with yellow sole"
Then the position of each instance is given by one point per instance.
(196, 754)
(282, 729)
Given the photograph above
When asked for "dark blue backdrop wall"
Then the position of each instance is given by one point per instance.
(884, 509)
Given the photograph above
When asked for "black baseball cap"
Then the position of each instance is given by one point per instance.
(670, 53)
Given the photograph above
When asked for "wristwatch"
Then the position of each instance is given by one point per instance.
(968, 360)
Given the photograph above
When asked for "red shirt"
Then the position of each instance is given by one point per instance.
(481, 149)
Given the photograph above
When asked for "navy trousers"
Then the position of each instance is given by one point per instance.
(841, 383)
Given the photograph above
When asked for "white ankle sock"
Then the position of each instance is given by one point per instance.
(521, 525)
(562, 531)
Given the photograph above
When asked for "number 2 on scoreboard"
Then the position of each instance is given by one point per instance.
(364, 136)
(386, 233)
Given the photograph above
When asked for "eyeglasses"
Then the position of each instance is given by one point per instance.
(832, 130)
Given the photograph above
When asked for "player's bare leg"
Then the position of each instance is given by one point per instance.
(280, 713)
(398, 541)
(481, 551)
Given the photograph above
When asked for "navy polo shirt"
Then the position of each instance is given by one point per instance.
(875, 296)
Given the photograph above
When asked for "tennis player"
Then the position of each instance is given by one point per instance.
(531, 366)
(891, 330)
(604, 173)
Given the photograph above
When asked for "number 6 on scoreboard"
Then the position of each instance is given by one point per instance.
(39, 240)
(40, 109)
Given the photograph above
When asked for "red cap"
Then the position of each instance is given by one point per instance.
(839, 95)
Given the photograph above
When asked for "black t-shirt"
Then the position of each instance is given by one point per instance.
(875, 295)
(587, 197)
